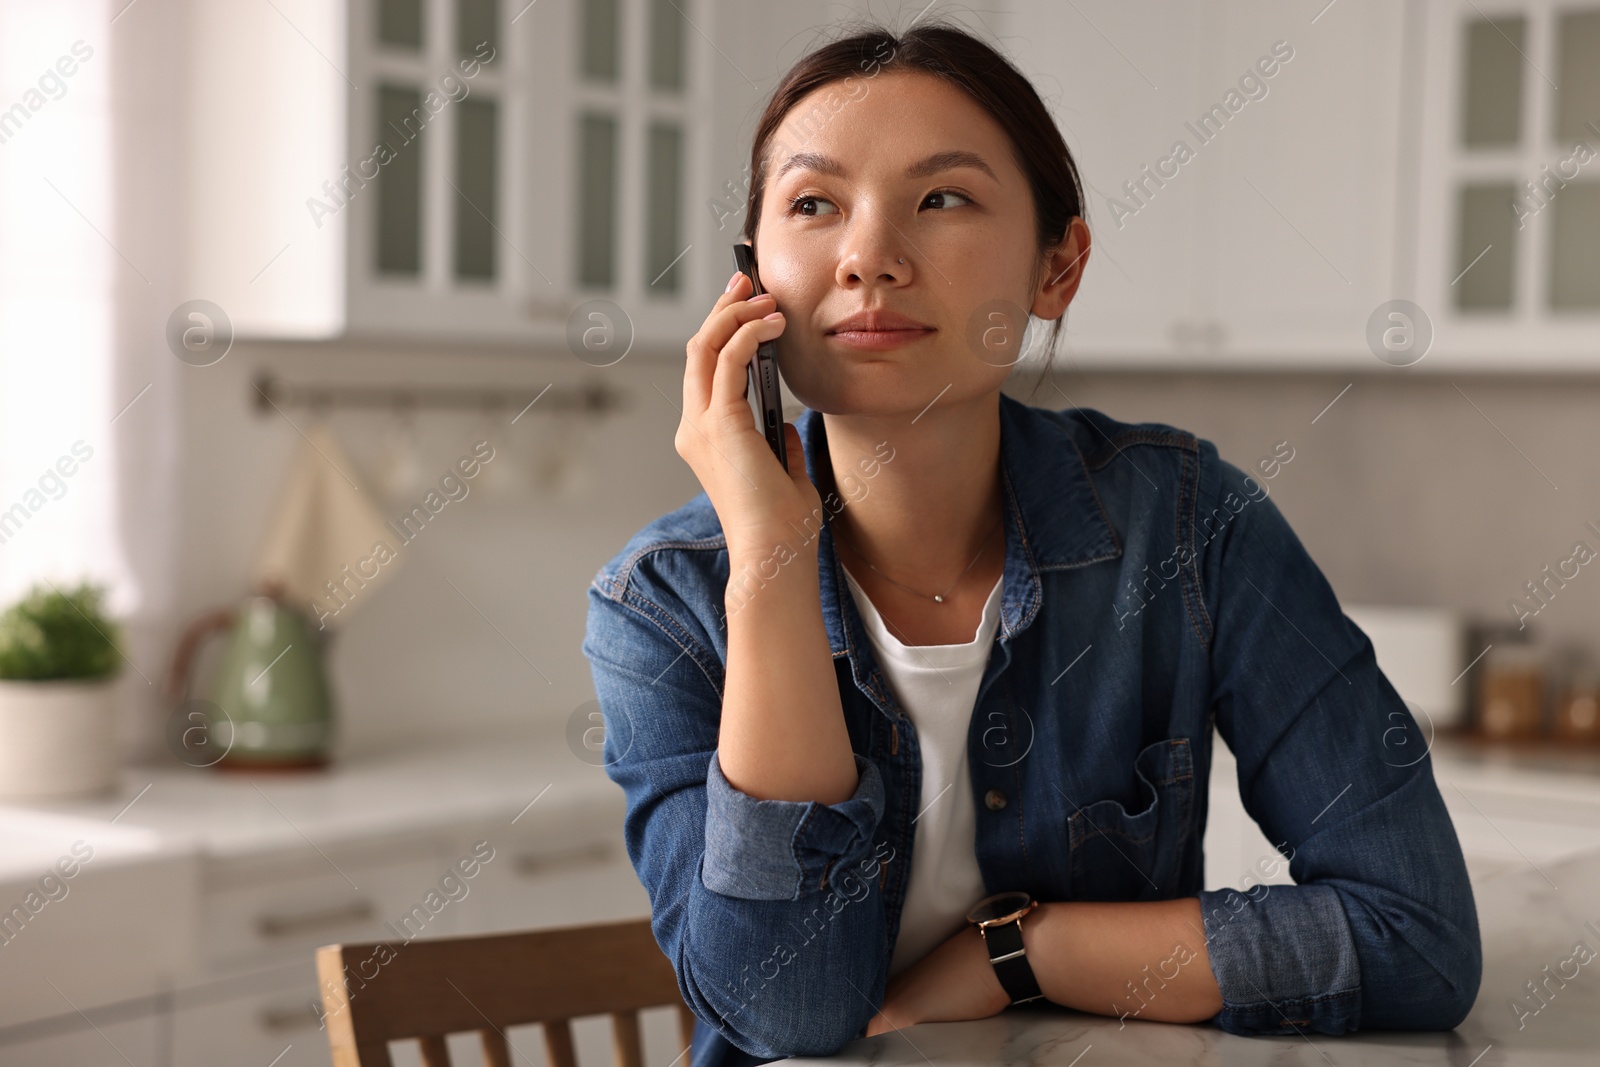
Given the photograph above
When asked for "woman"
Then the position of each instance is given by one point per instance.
(966, 647)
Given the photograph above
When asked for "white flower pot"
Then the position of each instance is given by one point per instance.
(57, 739)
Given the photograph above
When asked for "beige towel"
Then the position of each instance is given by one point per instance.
(327, 544)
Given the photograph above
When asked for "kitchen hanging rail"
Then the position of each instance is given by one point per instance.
(269, 392)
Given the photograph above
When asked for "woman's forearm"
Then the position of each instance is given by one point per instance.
(783, 733)
(1131, 959)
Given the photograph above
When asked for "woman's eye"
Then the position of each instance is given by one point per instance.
(814, 206)
(799, 205)
(947, 193)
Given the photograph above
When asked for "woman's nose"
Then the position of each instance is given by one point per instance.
(876, 262)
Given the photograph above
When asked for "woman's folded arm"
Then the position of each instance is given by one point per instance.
(1380, 929)
(770, 910)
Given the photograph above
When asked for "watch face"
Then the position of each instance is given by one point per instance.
(998, 907)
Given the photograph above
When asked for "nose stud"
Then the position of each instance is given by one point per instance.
(902, 261)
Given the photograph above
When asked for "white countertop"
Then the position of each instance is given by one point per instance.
(1526, 923)
(401, 790)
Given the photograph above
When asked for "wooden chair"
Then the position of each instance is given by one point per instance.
(382, 991)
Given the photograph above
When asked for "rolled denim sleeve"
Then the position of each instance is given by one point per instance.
(1380, 929)
(773, 849)
(770, 911)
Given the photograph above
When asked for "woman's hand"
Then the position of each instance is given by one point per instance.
(756, 501)
(954, 982)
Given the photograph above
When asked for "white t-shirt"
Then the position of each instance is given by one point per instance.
(937, 685)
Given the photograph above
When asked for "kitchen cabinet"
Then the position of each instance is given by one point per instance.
(562, 868)
(266, 1016)
(1299, 213)
(90, 913)
(282, 906)
(237, 880)
(565, 867)
(1119, 78)
(1241, 166)
(577, 190)
(1507, 192)
(454, 170)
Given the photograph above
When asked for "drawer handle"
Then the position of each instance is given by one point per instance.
(592, 856)
(290, 925)
(279, 1020)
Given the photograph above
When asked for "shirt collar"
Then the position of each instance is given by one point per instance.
(1055, 519)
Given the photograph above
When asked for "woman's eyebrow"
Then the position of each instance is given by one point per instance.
(939, 161)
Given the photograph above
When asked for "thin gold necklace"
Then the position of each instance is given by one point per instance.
(937, 598)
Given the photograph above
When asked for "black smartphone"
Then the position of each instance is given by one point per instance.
(764, 368)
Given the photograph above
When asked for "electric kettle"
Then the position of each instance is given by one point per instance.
(270, 706)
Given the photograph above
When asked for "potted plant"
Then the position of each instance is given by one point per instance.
(58, 665)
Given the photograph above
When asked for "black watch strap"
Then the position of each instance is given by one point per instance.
(1011, 962)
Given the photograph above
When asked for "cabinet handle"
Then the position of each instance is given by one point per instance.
(290, 925)
(591, 856)
(278, 1020)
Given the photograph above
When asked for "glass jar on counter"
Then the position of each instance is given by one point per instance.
(1511, 692)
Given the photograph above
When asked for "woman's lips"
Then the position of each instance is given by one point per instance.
(879, 340)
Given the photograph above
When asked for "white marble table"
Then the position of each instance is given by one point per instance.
(1529, 917)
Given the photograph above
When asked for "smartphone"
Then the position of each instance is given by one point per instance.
(764, 368)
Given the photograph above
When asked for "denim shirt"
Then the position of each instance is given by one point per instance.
(1151, 591)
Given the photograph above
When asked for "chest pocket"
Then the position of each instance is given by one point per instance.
(1118, 854)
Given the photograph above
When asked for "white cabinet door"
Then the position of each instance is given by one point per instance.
(1119, 78)
(1508, 184)
(557, 865)
(1240, 163)
(274, 1026)
(583, 885)
(254, 918)
(1296, 230)
(82, 949)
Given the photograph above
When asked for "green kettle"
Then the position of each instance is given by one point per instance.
(270, 707)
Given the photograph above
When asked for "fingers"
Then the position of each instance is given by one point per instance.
(705, 344)
(731, 313)
(731, 371)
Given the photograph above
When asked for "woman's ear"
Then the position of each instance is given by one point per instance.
(1063, 271)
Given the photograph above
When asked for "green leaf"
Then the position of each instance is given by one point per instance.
(52, 635)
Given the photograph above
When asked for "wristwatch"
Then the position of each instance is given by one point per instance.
(999, 920)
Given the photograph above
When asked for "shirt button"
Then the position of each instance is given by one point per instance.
(994, 799)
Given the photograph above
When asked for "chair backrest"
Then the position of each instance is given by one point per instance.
(382, 991)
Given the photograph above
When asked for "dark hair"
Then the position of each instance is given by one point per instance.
(946, 51)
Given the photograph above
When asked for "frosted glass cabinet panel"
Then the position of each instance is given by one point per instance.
(1508, 183)
(461, 170)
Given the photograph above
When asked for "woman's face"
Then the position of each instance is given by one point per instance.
(908, 168)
